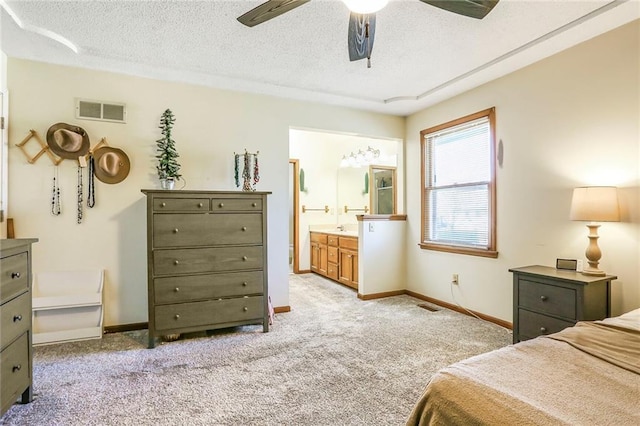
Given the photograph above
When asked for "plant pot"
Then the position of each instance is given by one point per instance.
(167, 183)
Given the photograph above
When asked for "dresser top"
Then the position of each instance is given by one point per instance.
(11, 243)
(561, 274)
(202, 192)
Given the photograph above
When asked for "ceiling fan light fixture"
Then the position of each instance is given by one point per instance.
(365, 6)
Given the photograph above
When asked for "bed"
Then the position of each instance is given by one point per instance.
(588, 374)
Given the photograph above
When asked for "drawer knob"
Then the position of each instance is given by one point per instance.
(543, 298)
(16, 368)
(177, 289)
(245, 309)
(175, 262)
(175, 231)
(177, 317)
(254, 204)
(543, 329)
(244, 284)
(17, 318)
(200, 205)
(163, 204)
(15, 275)
(221, 205)
(244, 258)
(244, 228)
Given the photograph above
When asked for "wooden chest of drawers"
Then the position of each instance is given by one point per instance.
(206, 260)
(547, 300)
(15, 322)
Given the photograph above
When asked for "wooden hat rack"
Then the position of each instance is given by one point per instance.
(44, 149)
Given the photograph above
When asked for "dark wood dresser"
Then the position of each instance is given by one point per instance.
(206, 260)
(547, 300)
(15, 322)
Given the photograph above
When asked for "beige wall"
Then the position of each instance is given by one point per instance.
(569, 120)
(211, 124)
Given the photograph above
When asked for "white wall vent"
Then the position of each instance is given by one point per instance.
(101, 111)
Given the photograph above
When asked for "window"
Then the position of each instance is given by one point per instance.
(459, 186)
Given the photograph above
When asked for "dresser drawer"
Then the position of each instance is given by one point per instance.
(533, 324)
(196, 314)
(14, 371)
(181, 204)
(210, 286)
(210, 259)
(176, 230)
(14, 274)
(15, 318)
(332, 240)
(547, 299)
(219, 205)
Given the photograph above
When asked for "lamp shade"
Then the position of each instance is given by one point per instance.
(595, 204)
(365, 6)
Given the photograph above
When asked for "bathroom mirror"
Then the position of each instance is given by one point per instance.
(353, 191)
(382, 191)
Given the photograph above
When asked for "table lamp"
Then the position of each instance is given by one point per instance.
(594, 204)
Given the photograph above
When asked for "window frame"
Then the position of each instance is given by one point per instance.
(425, 243)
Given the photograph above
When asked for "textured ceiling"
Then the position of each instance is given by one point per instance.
(421, 56)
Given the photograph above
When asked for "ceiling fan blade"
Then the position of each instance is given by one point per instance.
(473, 8)
(362, 29)
(269, 10)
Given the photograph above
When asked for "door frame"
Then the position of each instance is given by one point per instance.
(295, 208)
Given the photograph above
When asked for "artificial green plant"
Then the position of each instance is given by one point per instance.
(168, 166)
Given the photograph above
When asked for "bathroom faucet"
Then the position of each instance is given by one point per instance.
(340, 227)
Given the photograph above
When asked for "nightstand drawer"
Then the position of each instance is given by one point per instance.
(14, 372)
(196, 314)
(181, 204)
(15, 318)
(533, 324)
(15, 276)
(200, 287)
(547, 299)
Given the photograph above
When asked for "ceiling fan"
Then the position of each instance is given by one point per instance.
(362, 21)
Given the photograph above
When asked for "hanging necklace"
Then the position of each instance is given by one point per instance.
(79, 194)
(55, 193)
(91, 196)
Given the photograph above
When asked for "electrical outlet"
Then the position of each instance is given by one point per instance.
(371, 227)
(454, 279)
(579, 265)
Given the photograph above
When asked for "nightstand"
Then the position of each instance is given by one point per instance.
(547, 300)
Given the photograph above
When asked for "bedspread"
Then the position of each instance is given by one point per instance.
(584, 375)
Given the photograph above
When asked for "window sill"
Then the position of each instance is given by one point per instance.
(460, 250)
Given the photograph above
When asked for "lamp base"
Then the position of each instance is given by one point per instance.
(593, 272)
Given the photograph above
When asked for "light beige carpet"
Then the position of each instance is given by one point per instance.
(332, 360)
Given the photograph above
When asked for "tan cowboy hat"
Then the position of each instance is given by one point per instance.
(111, 165)
(67, 141)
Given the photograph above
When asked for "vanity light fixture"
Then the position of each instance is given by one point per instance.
(362, 158)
